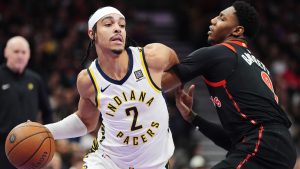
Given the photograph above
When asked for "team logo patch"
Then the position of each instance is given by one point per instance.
(30, 86)
(216, 101)
(138, 74)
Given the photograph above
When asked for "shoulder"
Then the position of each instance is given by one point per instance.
(159, 56)
(33, 75)
(154, 49)
(84, 84)
(216, 51)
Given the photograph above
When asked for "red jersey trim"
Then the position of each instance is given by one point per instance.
(215, 84)
(260, 133)
(240, 43)
(229, 46)
(238, 108)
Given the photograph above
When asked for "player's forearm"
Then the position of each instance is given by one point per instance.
(69, 127)
(213, 131)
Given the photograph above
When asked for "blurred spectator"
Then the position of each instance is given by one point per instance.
(23, 94)
(55, 163)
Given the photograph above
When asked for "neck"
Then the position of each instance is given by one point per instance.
(15, 70)
(114, 65)
(241, 39)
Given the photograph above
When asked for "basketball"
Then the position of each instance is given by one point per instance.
(29, 145)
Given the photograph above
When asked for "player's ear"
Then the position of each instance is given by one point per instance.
(238, 31)
(91, 34)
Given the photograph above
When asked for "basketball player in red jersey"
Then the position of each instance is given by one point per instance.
(254, 126)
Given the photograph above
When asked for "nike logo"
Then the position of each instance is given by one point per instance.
(5, 86)
(102, 90)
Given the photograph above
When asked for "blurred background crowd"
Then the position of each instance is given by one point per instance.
(57, 32)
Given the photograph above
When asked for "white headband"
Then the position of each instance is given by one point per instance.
(100, 13)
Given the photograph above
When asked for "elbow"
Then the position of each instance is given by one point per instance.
(90, 125)
(90, 122)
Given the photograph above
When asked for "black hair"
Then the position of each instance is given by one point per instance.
(247, 17)
(90, 47)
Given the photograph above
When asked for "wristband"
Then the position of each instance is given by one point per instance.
(69, 127)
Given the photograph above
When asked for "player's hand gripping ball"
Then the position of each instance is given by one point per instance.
(29, 145)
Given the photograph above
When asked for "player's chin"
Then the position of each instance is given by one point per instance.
(210, 40)
(117, 51)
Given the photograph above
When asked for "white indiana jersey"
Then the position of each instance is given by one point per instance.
(135, 129)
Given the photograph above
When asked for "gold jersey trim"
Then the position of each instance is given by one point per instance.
(145, 67)
(93, 78)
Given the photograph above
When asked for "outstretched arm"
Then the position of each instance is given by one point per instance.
(184, 103)
(206, 61)
(85, 119)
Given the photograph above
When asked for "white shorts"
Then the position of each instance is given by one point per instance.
(100, 160)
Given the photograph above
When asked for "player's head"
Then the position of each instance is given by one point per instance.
(106, 27)
(237, 21)
(17, 53)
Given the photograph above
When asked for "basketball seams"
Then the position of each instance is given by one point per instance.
(25, 139)
(50, 136)
(33, 154)
(34, 137)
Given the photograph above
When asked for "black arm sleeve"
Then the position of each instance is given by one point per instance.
(44, 103)
(213, 131)
(215, 63)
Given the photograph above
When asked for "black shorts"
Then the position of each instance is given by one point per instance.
(267, 147)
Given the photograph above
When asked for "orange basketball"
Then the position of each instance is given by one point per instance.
(29, 145)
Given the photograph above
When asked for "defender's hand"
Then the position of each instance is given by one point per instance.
(184, 102)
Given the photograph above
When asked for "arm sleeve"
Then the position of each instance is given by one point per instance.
(215, 63)
(44, 103)
(213, 131)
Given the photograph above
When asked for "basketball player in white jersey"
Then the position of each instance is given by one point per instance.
(123, 85)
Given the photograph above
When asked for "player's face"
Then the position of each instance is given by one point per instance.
(111, 33)
(17, 53)
(222, 26)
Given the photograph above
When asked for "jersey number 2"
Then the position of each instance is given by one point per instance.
(135, 116)
(265, 77)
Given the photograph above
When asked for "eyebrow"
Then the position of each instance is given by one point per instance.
(111, 18)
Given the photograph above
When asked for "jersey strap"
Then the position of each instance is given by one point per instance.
(93, 78)
(145, 67)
